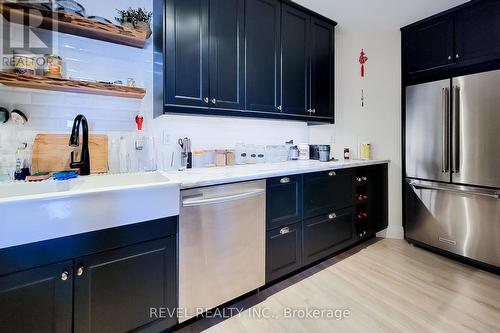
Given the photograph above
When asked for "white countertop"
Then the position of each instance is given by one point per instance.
(215, 176)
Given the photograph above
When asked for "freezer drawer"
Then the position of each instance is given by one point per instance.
(427, 131)
(459, 219)
(476, 120)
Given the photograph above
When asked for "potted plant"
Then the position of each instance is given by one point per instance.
(138, 19)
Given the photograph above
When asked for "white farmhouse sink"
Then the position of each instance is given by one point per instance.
(32, 212)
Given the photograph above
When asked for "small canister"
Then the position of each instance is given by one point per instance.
(294, 153)
(303, 151)
(230, 157)
(324, 153)
(24, 64)
(52, 66)
(220, 157)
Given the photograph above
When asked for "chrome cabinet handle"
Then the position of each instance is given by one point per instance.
(332, 216)
(332, 173)
(206, 100)
(214, 101)
(79, 271)
(313, 111)
(457, 55)
(64, 275)
(280, 108)
(285, 180)
(449, 57)
(285, 231)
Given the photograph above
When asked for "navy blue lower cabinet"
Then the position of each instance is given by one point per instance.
(284, 201)
(38, 300)
(327, 234)
(283, 251)
(117, 291)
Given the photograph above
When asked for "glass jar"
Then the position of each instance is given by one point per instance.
(260, 151)
(251, 157)
(240, 154)
(209, 158)
(220, 157)
(198, 159)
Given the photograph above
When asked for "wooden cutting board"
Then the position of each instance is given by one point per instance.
(51, 152)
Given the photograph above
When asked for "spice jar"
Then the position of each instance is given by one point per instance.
(230, 157)
(220, 157)
(24, 64)
(52, 66)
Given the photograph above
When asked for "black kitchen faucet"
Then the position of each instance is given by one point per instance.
(84, 164)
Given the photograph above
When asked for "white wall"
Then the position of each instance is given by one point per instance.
(378, 122)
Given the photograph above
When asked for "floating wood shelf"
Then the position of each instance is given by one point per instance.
(72, 24)
(74, 86)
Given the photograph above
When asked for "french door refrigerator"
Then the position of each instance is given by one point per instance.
(452, 186)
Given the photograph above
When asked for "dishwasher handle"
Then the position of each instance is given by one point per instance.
(219, 200)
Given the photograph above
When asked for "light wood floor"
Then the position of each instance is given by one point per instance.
(387, 285)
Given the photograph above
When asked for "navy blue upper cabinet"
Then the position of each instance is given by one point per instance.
(322, 68)
(429, 45)
(246, 58)
(477, 32)
(262, 55)
(226, 54)
(295, 27)
(186, 53)
(462, 40)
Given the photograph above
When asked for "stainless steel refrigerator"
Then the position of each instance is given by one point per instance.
(453, 165)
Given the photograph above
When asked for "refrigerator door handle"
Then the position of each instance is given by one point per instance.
(456, 130)
(494, 194)
(445, 105)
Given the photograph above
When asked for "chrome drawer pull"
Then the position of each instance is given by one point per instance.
(285, 180)
(332, 216)
(284, 231)
(332, 173)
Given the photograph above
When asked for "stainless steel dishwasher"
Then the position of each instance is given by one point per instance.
(221, 244)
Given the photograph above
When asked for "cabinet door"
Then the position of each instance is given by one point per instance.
(328, 233)
(283, 251)
(477, 31)
(186, 53)
(328, 191)
(284, 201)
(37, 300)
(429, 45)
(262, 55)
(295, 27)
(117, 291)
(322, 68)
(226, 54)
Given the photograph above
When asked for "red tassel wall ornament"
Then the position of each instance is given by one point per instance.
(362, 60)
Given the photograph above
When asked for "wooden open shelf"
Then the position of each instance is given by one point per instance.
(74, 86)
(72, 24)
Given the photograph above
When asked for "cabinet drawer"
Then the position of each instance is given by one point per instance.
(283, 251)
(328, 191)
(284, 201)
(325, 234)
